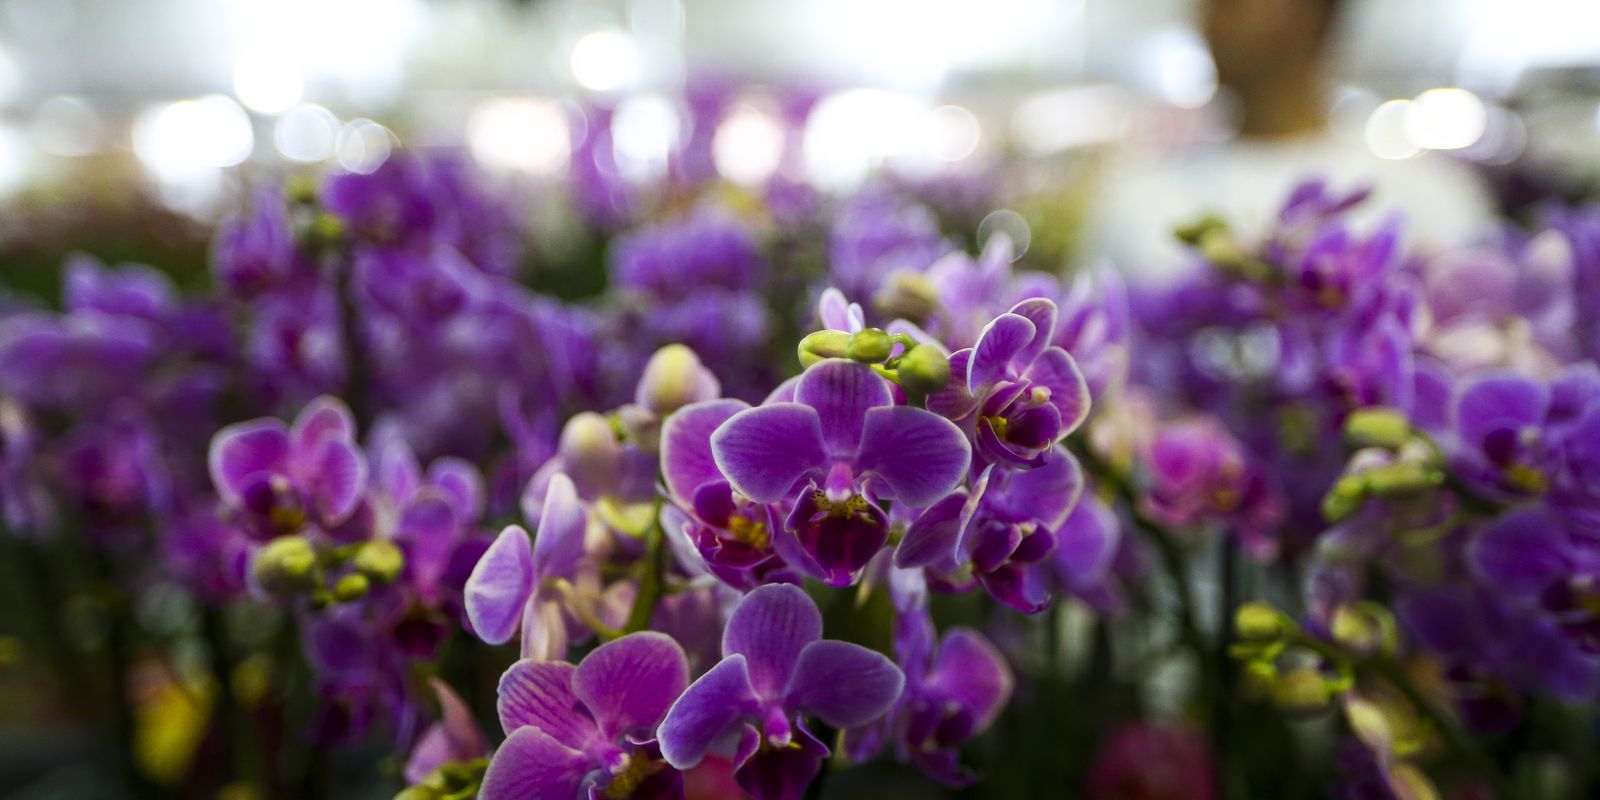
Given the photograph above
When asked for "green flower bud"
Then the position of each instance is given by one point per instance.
(871, 346)
(674, 378)
(591, 454)
(351, 587)
(1191, 232)
(379, 560)
(1365, 628)
(906, 295)
(285, 565)
(1301, 690)
(1377, 427)
(924, 370)
(301, 190)
(823, 344)
(1345, 498)
(1402, 478)
(1260, 622)
(326, 228)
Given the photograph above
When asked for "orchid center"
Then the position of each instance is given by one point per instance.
(749, 531)
(854, 506)
(629, 774)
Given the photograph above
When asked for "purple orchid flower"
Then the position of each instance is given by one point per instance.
(735, 537)
(1027, 393)
(955, 688)
(280, 478)
(840, 445)
(506, 590)
(1001, 531)
(1200, 473)
(589, 730)
(256, 251)
(775, 669)
(1500, 427)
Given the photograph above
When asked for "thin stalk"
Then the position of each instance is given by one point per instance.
(650, 579)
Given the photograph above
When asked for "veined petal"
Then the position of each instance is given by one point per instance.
(559, 543)
(462, 483)
(544, 629)
(686, 459)
(322, 418)
(539, 694)
(770, 627)
(954, 401)
(244, 449)
(1521, 553)
(1086, 543)
(1056, 370)
(427, 529)
(933, 538)
(533, 766)
(1042, 312)
(1002, 340)
(500, 585)
(1499, 401)
(706, 711)
(1048, 492)
(784, 393)
(337, 478)
(628, 684)
(973, 673)
(918, 455)
(765, 451)
(842, 392)
(845, 685)
(834, 310)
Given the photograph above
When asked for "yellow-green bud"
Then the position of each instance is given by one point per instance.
(380, 560)
(870, 346)
(1402, 478)
(1259, 622)
(924, 370)
(674, 378)
(1302, 689)
(285, 565)
(906, 294)
(301, 189)
(351, 587)
(823, 344)
(1365, 628)
(327, 228)
(1191, 232)
(590, 453)
(1345, 498)
(1377, 427)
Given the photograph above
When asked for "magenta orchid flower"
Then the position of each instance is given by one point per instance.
(776, 670)
(506, 591)
(836, 450)
(280, 478)
(589, 730)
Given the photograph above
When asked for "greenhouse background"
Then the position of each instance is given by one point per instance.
(1115, 399)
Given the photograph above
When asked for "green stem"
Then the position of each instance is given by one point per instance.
(650, 579)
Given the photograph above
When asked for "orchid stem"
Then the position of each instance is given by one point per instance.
(650, 581)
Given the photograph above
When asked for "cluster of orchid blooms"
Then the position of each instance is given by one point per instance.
(653, 497)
